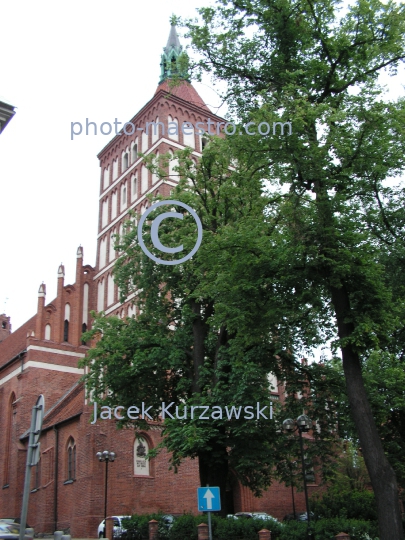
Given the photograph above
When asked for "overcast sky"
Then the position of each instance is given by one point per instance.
(63, 63)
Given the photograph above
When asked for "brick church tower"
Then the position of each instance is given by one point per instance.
(41, 357)
(158, 128)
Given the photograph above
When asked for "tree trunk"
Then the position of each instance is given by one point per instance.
(215, 473)
(382, 475)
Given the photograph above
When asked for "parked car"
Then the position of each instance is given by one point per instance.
(300, 516)
(256, 515)
(11, 531)
(15, 520)
(118, 529)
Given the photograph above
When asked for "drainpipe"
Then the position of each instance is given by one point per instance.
(55, 495)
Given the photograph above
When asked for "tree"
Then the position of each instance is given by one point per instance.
(319, 68)
(204, 343)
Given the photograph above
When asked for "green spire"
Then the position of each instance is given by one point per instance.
(170, 66)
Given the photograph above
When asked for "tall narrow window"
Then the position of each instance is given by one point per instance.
(173, 128)
(188, 134)
(66, 323)
(144, 142)
(124, 196)
(134, 188)
(114, 200)
(124, 164)
(48, 331)
(85, 314)
(104, 213)
(174, 162)
(100, 295)
(8, 441)
(71, 460)
(135, 151)
(111, 249)
(144, 180)
(110, 290)
(155, 176)
(115, 169)
(103, 252)
(106, 178)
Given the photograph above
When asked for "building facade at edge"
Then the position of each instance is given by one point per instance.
(41, 357)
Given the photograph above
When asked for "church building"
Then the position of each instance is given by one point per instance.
(41, 357)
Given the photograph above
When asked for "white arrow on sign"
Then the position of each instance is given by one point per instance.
(209, 496)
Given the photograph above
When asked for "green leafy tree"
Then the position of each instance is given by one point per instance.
(202, 342)
(318, 67)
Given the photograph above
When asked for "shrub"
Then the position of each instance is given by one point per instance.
(349, 504)
(327, 529)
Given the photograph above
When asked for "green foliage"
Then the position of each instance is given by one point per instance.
(185, 528)
(347, 504)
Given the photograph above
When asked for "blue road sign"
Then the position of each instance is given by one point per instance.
(209, 499)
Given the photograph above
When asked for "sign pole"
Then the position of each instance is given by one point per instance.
(209, 523)
(32, 458)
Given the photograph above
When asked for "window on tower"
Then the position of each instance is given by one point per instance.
(125, 161)
(134, 188)
(134, 152)
(124, 196)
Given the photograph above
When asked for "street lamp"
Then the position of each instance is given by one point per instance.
(105, 456)
(303, 424)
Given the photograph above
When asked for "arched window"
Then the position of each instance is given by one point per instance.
(115, 169)
(104, 213)
(114, 201)
(110, 290)
(123, 196)
(85, 314)
(155, 130)
(144, 179)
(134, 188)
(173, 128)
(100, 296)
(111, 254)
(144, 142)
(155, 176)
(71, 460)
(66, 323)
(134, 151)
(103, 253)
(188, 134)
(141, 449)
(106, 179)
(125, 161)
(174, 162)
(8, 441)
(48, 331)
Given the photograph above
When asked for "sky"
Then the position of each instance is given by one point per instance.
(63, 63)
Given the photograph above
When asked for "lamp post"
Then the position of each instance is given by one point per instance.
(303, 424)
(105, 456)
